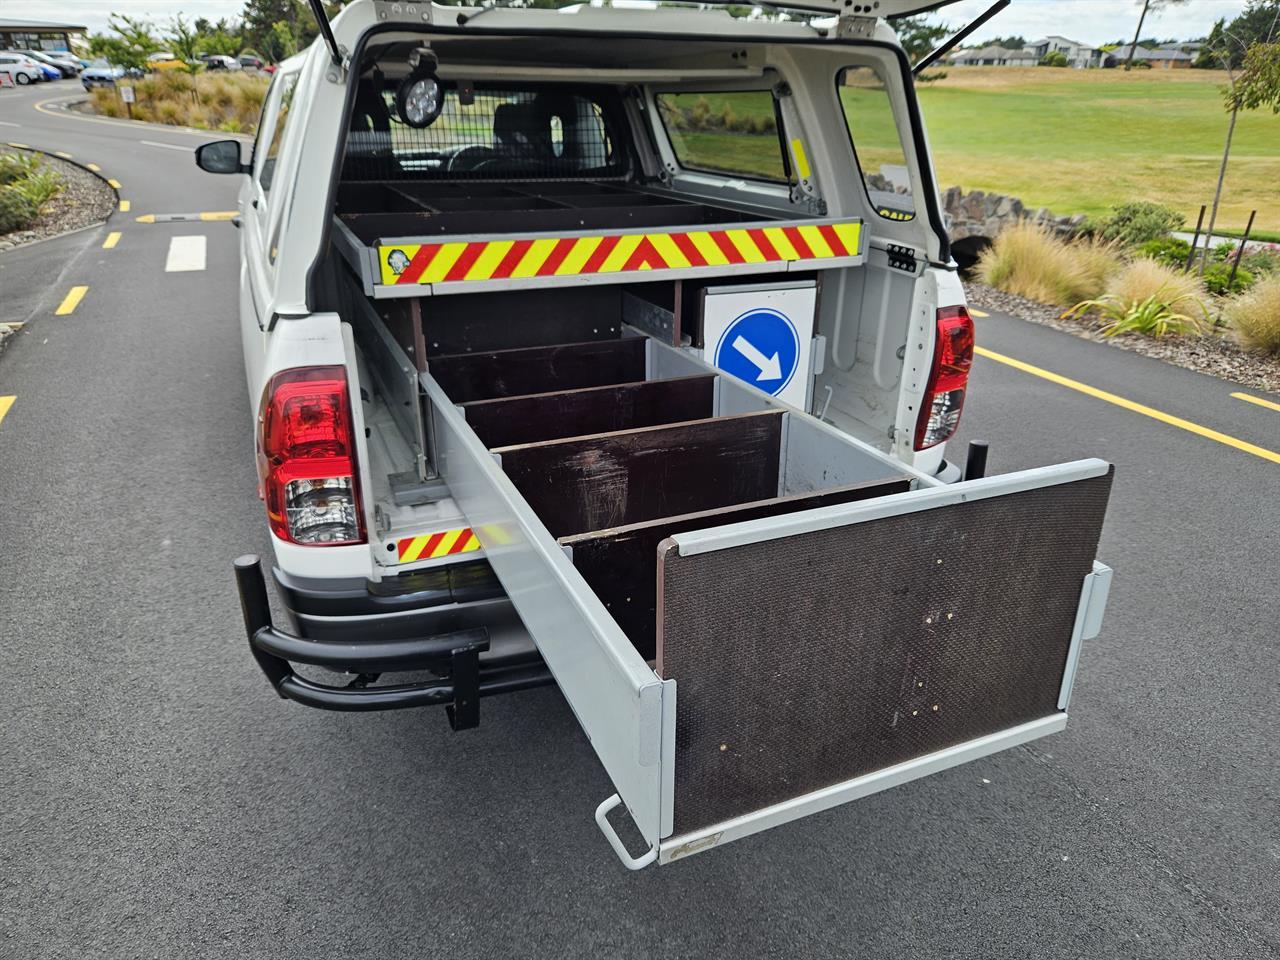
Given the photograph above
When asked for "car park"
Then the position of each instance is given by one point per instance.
(558, 379)
(66, 66)
(22, 69)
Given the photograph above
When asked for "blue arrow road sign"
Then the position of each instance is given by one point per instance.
(761, 347)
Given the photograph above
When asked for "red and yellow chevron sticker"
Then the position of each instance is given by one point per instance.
(519, 259)
(431, 546)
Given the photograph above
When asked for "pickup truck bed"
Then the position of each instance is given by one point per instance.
(831, 621)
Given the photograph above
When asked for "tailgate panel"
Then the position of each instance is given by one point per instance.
(810, 658)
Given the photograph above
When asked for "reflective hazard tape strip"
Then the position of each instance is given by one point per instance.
(431, 546)
(523, 258)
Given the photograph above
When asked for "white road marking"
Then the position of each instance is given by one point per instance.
(6, 123)
(185, 253)
(167, 146)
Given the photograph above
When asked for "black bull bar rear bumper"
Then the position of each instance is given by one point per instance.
(454, 655)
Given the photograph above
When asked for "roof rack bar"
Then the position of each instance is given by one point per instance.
(326, 31)
(931, 58)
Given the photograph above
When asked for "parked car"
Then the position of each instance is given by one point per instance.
(66, 66)
(632, 411)
(163, 61)
(252, 63)
(100, 73)
(216, 61)
(22, 69)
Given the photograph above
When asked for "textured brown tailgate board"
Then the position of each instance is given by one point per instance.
(812, 659)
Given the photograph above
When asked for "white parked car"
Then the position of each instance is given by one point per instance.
(21, 68)
(584, 349)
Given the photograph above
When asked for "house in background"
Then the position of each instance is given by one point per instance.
(993, 56)
(1079, 55)
(1158, 59)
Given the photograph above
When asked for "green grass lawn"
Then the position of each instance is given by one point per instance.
(1079, 141)
(1075, 141)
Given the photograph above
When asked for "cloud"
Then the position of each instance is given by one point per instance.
(1091, 21)
(95, 13)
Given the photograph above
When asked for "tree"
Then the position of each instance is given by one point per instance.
(133, 41)
(918, 36)
(1227, 43)
(1147, 5)
(185, 42)
(1009, 43)
(1257, 87)
(1054, 58)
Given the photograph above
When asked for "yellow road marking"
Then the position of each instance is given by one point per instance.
(1258, 400)
(978, 313)
(112, 239)
(1146, 411)
(114, 183)
(5, 404)
(124, 206)
(20, 146)
(147, 218)
(62, 154)
(71, 301)
(219, 215)
(93, 166)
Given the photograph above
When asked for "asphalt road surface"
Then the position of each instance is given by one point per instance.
(158, 801)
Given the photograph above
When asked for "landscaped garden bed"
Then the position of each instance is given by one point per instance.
(43, 196)
(1125, 280)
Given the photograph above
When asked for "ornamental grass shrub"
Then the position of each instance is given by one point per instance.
(1149, 298)
(1027, 260)
(206, 101)
(1255, 316)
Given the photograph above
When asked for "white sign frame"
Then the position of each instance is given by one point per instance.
(797, 300)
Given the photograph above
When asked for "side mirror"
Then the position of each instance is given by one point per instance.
(221, 156)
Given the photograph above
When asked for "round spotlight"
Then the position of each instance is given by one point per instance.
(419, 99)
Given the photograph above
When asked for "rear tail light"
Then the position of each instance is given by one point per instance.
(306, 458)
(944, 395)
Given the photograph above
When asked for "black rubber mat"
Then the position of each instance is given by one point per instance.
(809, 660)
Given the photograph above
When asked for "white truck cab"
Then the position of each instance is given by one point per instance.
(619, 348)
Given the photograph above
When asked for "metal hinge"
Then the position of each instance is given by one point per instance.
(900, 257)
(854, 23)
(399, 10)
(337, 72)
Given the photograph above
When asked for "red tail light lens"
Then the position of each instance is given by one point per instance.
(944, 395)
(306, 458)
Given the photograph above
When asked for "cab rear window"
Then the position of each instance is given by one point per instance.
(735, 132)
(487, 134)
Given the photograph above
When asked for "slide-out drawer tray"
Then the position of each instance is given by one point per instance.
(832, 623)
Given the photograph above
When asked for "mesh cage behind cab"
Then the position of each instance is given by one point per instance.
(486, 134)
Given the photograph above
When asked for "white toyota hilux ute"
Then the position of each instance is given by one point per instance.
(618, 349)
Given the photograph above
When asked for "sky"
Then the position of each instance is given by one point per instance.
(1089, 21)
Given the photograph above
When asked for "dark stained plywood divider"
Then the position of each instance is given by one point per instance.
(614, 479)
(621, 565)
(513, 319)
(566, 366)
(590, 410)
